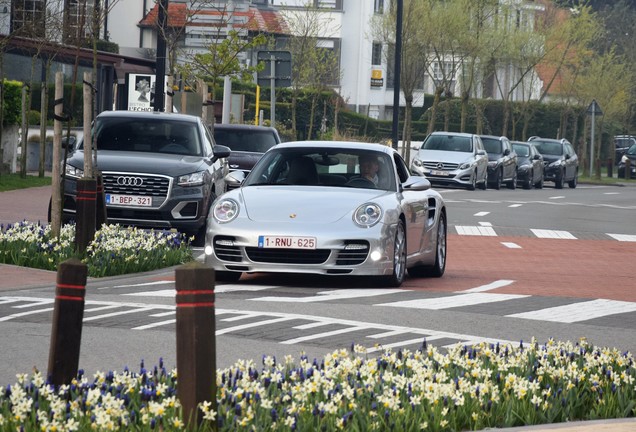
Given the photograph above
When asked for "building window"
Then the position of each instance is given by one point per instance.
(28, 18)
(78, 16)
(376, 54)
(378, 6)
(319, 4)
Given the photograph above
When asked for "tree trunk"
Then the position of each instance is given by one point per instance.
(431, 124)
(464, 111)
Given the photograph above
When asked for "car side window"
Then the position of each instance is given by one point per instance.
(402, 170)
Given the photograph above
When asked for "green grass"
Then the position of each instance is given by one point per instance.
(14, 181)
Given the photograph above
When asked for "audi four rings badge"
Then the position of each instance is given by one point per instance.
(130, 181)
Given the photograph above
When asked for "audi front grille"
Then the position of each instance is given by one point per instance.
(136, 184)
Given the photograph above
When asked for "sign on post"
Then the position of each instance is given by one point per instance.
(280, 73)
(276, 73)
(594, 109)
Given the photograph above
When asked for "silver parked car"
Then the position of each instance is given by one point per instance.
(332, 208)
(452, 158)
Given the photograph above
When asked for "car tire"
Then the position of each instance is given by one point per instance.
(437, 269)
(227, 276)
(528, 183)
(572, 183)
(558, 181)
(473, 182)
(512, 184)
(539, 184)
(399, 257)
(498, 179)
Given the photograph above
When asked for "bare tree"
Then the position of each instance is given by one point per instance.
(414, 60)
(223, 55)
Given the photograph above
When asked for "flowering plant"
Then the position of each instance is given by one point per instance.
(115, 250)
(468, 388)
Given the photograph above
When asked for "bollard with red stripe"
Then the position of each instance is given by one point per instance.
(101, 217)
(86, 209)
(196, 344)
(66, 334)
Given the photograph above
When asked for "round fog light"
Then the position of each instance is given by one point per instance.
(376, 255)
(208, 250)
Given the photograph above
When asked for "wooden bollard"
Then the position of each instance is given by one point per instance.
(196, 344)
(66, 333)
(610, 168)
(86, 208)
(101, 217)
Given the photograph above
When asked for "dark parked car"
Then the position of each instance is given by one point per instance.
(248, 143)
(160, 170)
(560, 160)
(621, 144)
(452, 158)
(530, 165)
(502, 161)
(631, 155)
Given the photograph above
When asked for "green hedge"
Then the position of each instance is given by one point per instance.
(11, 108)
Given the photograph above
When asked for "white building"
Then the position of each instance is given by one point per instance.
(365, 83)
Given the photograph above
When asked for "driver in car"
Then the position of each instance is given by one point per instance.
(369, 167)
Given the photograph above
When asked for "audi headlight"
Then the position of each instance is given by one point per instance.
(194, 179)
(417, 162)
(71, 171)
(367, 215)
(464, 166)
(624, 159)
(225, 210)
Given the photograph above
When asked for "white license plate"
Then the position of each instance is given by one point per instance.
(286, 242)
(439, 173)
(129, 200)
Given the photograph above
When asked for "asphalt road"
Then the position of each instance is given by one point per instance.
(521, 264)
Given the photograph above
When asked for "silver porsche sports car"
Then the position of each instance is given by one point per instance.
(334, 208)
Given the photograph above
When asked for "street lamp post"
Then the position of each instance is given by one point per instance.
(594, 109)
(398, 63)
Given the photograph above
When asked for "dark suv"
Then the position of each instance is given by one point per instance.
(160, 170)
(560, 160)
(502, 161)
(247, 142)
(621, 144)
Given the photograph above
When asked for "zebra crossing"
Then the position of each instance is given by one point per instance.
(289, 328)
(487, 230)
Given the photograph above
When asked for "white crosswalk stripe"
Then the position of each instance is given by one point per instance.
(577, 312)
(552, 234)
(475, 230)
(470, 299)
(623, 237)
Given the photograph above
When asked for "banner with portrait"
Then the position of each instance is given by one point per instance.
(141, 92)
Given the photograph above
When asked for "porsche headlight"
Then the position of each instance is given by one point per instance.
(225, 210)
(71, 171)
(194, 179)
(367, 215)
